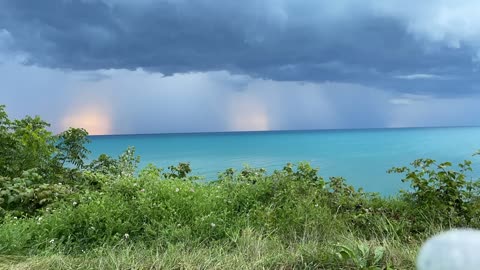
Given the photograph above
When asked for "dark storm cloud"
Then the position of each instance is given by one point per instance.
(300, 40)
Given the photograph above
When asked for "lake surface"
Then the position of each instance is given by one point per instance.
(361, 156)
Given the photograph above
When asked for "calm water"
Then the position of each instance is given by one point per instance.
(361, 156)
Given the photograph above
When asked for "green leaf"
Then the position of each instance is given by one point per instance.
(378, 254)
(344, 255)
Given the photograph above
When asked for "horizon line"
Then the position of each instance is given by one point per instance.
(276, 130)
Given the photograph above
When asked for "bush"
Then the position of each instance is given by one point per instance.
(442, 193)
(33, 164)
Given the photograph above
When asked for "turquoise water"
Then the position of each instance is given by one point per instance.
(361, 156)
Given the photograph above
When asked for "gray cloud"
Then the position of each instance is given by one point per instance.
(372, 43)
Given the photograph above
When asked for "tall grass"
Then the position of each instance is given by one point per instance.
(249, 250)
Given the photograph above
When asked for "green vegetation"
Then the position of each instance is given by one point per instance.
(60, 211)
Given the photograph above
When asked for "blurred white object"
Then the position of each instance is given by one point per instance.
(452, 250)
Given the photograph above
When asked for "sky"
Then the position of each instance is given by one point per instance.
(167, 66)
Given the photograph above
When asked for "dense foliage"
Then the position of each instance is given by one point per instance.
(37, 168)
(53, 200)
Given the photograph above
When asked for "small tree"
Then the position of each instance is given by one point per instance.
(24, 144)
(71, 148)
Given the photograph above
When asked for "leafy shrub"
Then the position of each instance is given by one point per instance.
(180, 171)
(33, 163)
(28, 193)
(125, 165)
(442, 192)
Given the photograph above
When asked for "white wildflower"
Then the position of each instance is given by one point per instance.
(126, 236)
(74, 203)
(213, 225)
(316, 205)
(177, 189)
(52, 241)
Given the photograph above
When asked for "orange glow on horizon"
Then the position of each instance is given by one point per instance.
(94, 119)
(248, 114)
